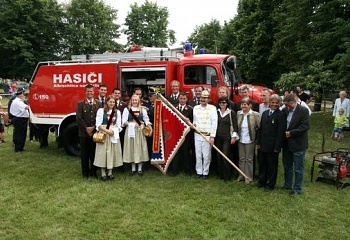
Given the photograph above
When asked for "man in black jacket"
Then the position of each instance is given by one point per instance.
(86, 119)
(184, 159)
(296, 143)
(270, 138)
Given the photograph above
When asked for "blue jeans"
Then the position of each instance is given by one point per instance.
(293, 161)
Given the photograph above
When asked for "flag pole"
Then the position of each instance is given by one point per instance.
(187, 121)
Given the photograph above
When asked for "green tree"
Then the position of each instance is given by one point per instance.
(254, 28)
(207, 36)
(313, 31)
(227, 41)
(90, 28)
(147, 25)
(28, 35)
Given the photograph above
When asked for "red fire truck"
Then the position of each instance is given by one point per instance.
(56, 87)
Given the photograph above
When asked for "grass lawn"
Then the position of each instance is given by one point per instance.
(43, 196)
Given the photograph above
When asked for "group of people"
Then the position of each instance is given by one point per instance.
(110, 115)
(236, 130)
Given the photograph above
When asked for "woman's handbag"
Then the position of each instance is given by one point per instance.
(99, 136)
(147, 130)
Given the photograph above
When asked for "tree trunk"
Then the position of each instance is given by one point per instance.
(317, 105)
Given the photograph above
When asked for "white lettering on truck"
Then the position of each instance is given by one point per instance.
(77, 78)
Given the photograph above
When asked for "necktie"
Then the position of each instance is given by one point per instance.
(103, 101)
(182, 108)
(270, 113)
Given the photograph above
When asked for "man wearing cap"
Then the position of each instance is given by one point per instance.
(20, 113)
(205, 119)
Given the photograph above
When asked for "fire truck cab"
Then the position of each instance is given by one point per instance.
(57, 87)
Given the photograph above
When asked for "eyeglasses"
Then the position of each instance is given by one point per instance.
(222, 102)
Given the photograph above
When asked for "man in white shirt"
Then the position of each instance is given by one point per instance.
(265, 96)
(205, 119)
(20, 113)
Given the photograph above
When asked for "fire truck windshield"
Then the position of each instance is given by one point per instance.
(229, 78)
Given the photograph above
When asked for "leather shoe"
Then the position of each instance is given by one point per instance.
(132, 173)
(294, 193)
(205, 177)
(110, 177)
(199, 176)
(104, 178)
(140, 173)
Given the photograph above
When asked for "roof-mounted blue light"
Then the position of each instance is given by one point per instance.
(188, 47)
(202, 51)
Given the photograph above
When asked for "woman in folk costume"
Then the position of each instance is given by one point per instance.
(108, 154)
(135, 151)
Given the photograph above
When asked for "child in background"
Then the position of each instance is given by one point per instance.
(339, 122)
(2, 124)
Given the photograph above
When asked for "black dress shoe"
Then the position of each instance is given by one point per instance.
(205, 177)
(199, 176)
(132, 173)
(110, 177)
(85, 178)
(104, 178)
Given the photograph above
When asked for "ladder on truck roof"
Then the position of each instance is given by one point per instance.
(149, 55)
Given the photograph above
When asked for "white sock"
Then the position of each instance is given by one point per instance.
(109, 172)
(103, 172)
(139, 167)
(133, 167)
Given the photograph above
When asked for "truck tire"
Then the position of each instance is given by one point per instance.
(71, 141)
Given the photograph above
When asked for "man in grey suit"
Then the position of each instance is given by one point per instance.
(295, 145)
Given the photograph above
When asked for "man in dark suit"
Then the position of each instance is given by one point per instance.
(102, 94)
(173, 98)
(184, 159)
(86, 119)
(118, 100)
(296, 143)
(197, 95)
(270, 138)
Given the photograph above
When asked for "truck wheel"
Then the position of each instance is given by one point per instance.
(71, 141)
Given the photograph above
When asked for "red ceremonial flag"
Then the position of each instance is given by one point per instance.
(169, 133)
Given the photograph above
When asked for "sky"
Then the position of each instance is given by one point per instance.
(184, 15)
